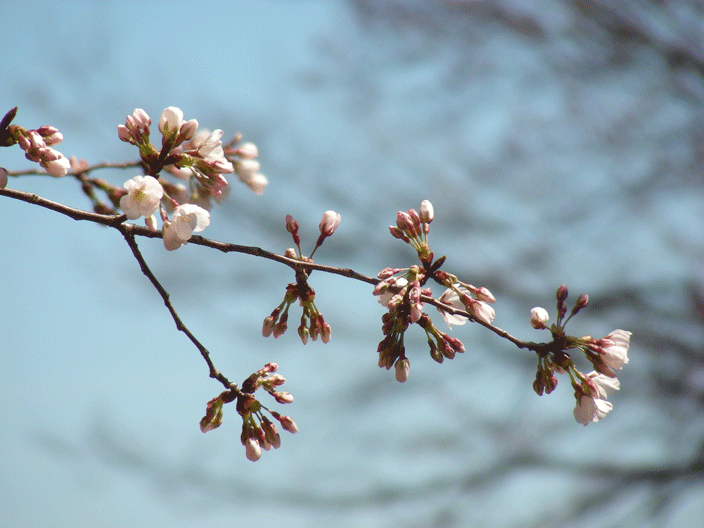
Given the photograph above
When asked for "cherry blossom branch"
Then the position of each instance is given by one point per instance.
(201, 160)
(117, 221)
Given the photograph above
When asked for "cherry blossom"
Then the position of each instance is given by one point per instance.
(329, 223)
(143, 197)
(614, 349)
(186, 220)
(591, 397)
(170, 121)
(538, 317)
(55, 163)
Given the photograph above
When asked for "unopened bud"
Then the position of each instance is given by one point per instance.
(426, 212)
(329, 223)
(403, 366)
(538, 317)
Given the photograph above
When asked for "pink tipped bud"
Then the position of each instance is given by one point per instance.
(325, 333)
(303, 333)
(482, 293)
(403, 367)
(283, 397)
(268, 326)
(387, 272)
(287, 423)
(426, 212)
(252, 449)
(188, 130)
(538, 317)
(396, 232)
(51, 135)
(581, 303)
(329, 223)
(405, 224)
(123, 133)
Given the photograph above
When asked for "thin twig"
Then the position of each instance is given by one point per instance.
(128, 233)
(118, 222)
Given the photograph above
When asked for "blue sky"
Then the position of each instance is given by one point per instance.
(102, 396)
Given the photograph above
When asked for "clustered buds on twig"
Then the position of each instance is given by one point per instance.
(312, 322)
(199, 159)
(606, 355)
(37, 145)
(402, 290)
(258, 432)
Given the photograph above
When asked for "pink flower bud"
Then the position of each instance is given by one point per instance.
(396, 232)
(426, 212)
(268, 326)
(213, 415)
(403, 367)
(55, 163)
(123, 133)
(247, 150)
(283, 397)
(387, 272)
(252, 449)
(538, 317)
(170, 121)
(141, 118)
(405, 224)
(287, 423)
(329, 223)
(188, 130)
(325, 333)
(51, 135)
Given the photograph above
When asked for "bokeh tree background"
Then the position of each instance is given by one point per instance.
(558, 141)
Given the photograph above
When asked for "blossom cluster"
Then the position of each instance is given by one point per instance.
(195, 157)
(312, 321)
(37, 145)
(607, 355)
(403, 292)
(258, 432)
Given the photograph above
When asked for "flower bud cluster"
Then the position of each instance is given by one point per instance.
(413, 228)
(402, 290)
(606, 355)
(246, 166)
(312, 321)
(136, 131)
(37, 145)
(401, 295)
(198, 157)
(258, 432)
(441, 345)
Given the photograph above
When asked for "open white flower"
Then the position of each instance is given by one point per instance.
(186, 220)
(615, 349)
(143, 197)
(451, 297)
(591, 398)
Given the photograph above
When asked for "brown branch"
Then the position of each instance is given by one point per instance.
(128, 232)
(118, 222)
